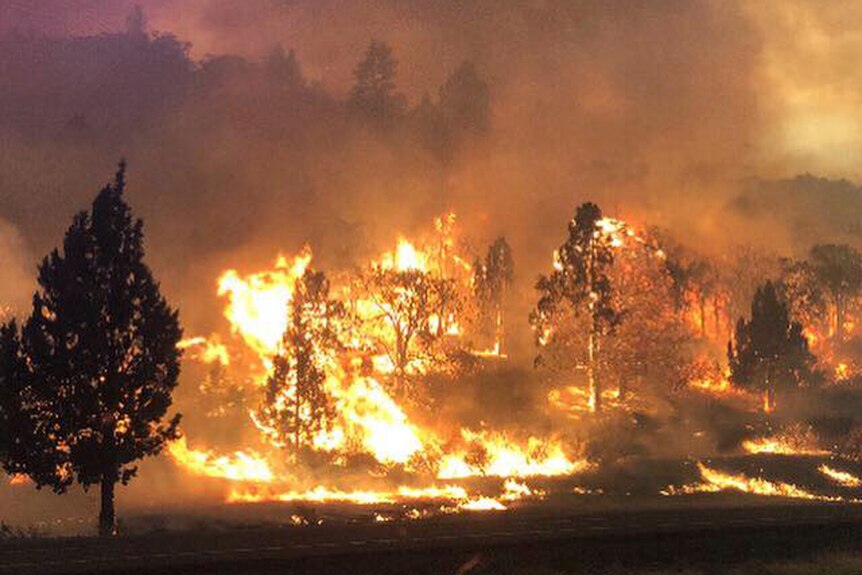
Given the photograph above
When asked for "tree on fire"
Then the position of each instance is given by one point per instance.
(374, 93)
(87, 382)
(580, 282)
(769, 351)
(297, 406)
(411, 304)
(650, 343)
(839, 269)
(492, 278)
(805, 296)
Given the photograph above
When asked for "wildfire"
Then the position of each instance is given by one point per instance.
(18, 480)
(842, 478)
(793, 440)
(207, 350)
(257, 303)
(779, 446)
(452, 494)
(240, 466)
(503, 458)
(405, 258)
(367, 418)
(386, 432)
(714, 480)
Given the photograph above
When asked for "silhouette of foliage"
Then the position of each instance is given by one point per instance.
(86, 384)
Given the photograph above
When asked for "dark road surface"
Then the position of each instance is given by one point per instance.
(477, 543)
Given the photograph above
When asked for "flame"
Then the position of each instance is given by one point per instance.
(503, 458)
(842, 478)
(207, 350)
(18, 479)
(453, 493)
(513, 490)
(793, 440)
(257, 303)
(778, 446)
(386, 432)
(368, 419)
(715, 481)
(241, 466)
(405, 258)
(842, 371)
(482, 504)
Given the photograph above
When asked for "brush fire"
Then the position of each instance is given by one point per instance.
(342, 374)
(360, 385)
(380, 280)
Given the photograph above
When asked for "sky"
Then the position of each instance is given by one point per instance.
(807, 83)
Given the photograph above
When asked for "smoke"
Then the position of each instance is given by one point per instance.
(665, 113)
(16, 271)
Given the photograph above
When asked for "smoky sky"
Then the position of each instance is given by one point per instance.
(656, 110)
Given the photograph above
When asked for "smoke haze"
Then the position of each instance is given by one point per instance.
(693, 115)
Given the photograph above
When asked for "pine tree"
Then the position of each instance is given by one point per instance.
(374, 93)
(297, 406)
(87, 382)
(769, 351)
(581, 282)
(465, 101)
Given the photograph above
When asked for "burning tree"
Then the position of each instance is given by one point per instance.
(491, 280)
(297, 407)
(580, 282)
(769, 351)
(88, 380)
(839, 270)
(412, 305)
(650, 341)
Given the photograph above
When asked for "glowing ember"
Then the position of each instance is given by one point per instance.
(18, 480)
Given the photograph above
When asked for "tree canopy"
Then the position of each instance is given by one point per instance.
(769, 351)
(86, 384)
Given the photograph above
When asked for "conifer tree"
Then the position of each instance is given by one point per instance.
(86, 384)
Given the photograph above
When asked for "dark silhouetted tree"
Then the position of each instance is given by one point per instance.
(465, 101)
(581, 282)
(374, 93)
(297, 405)
(87, 382)
(769, 351)
(491, 280)
(838, 268)
(284, 68)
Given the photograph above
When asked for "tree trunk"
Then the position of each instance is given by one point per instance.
(107, 519)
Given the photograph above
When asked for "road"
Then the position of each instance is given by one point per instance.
(458, 544)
